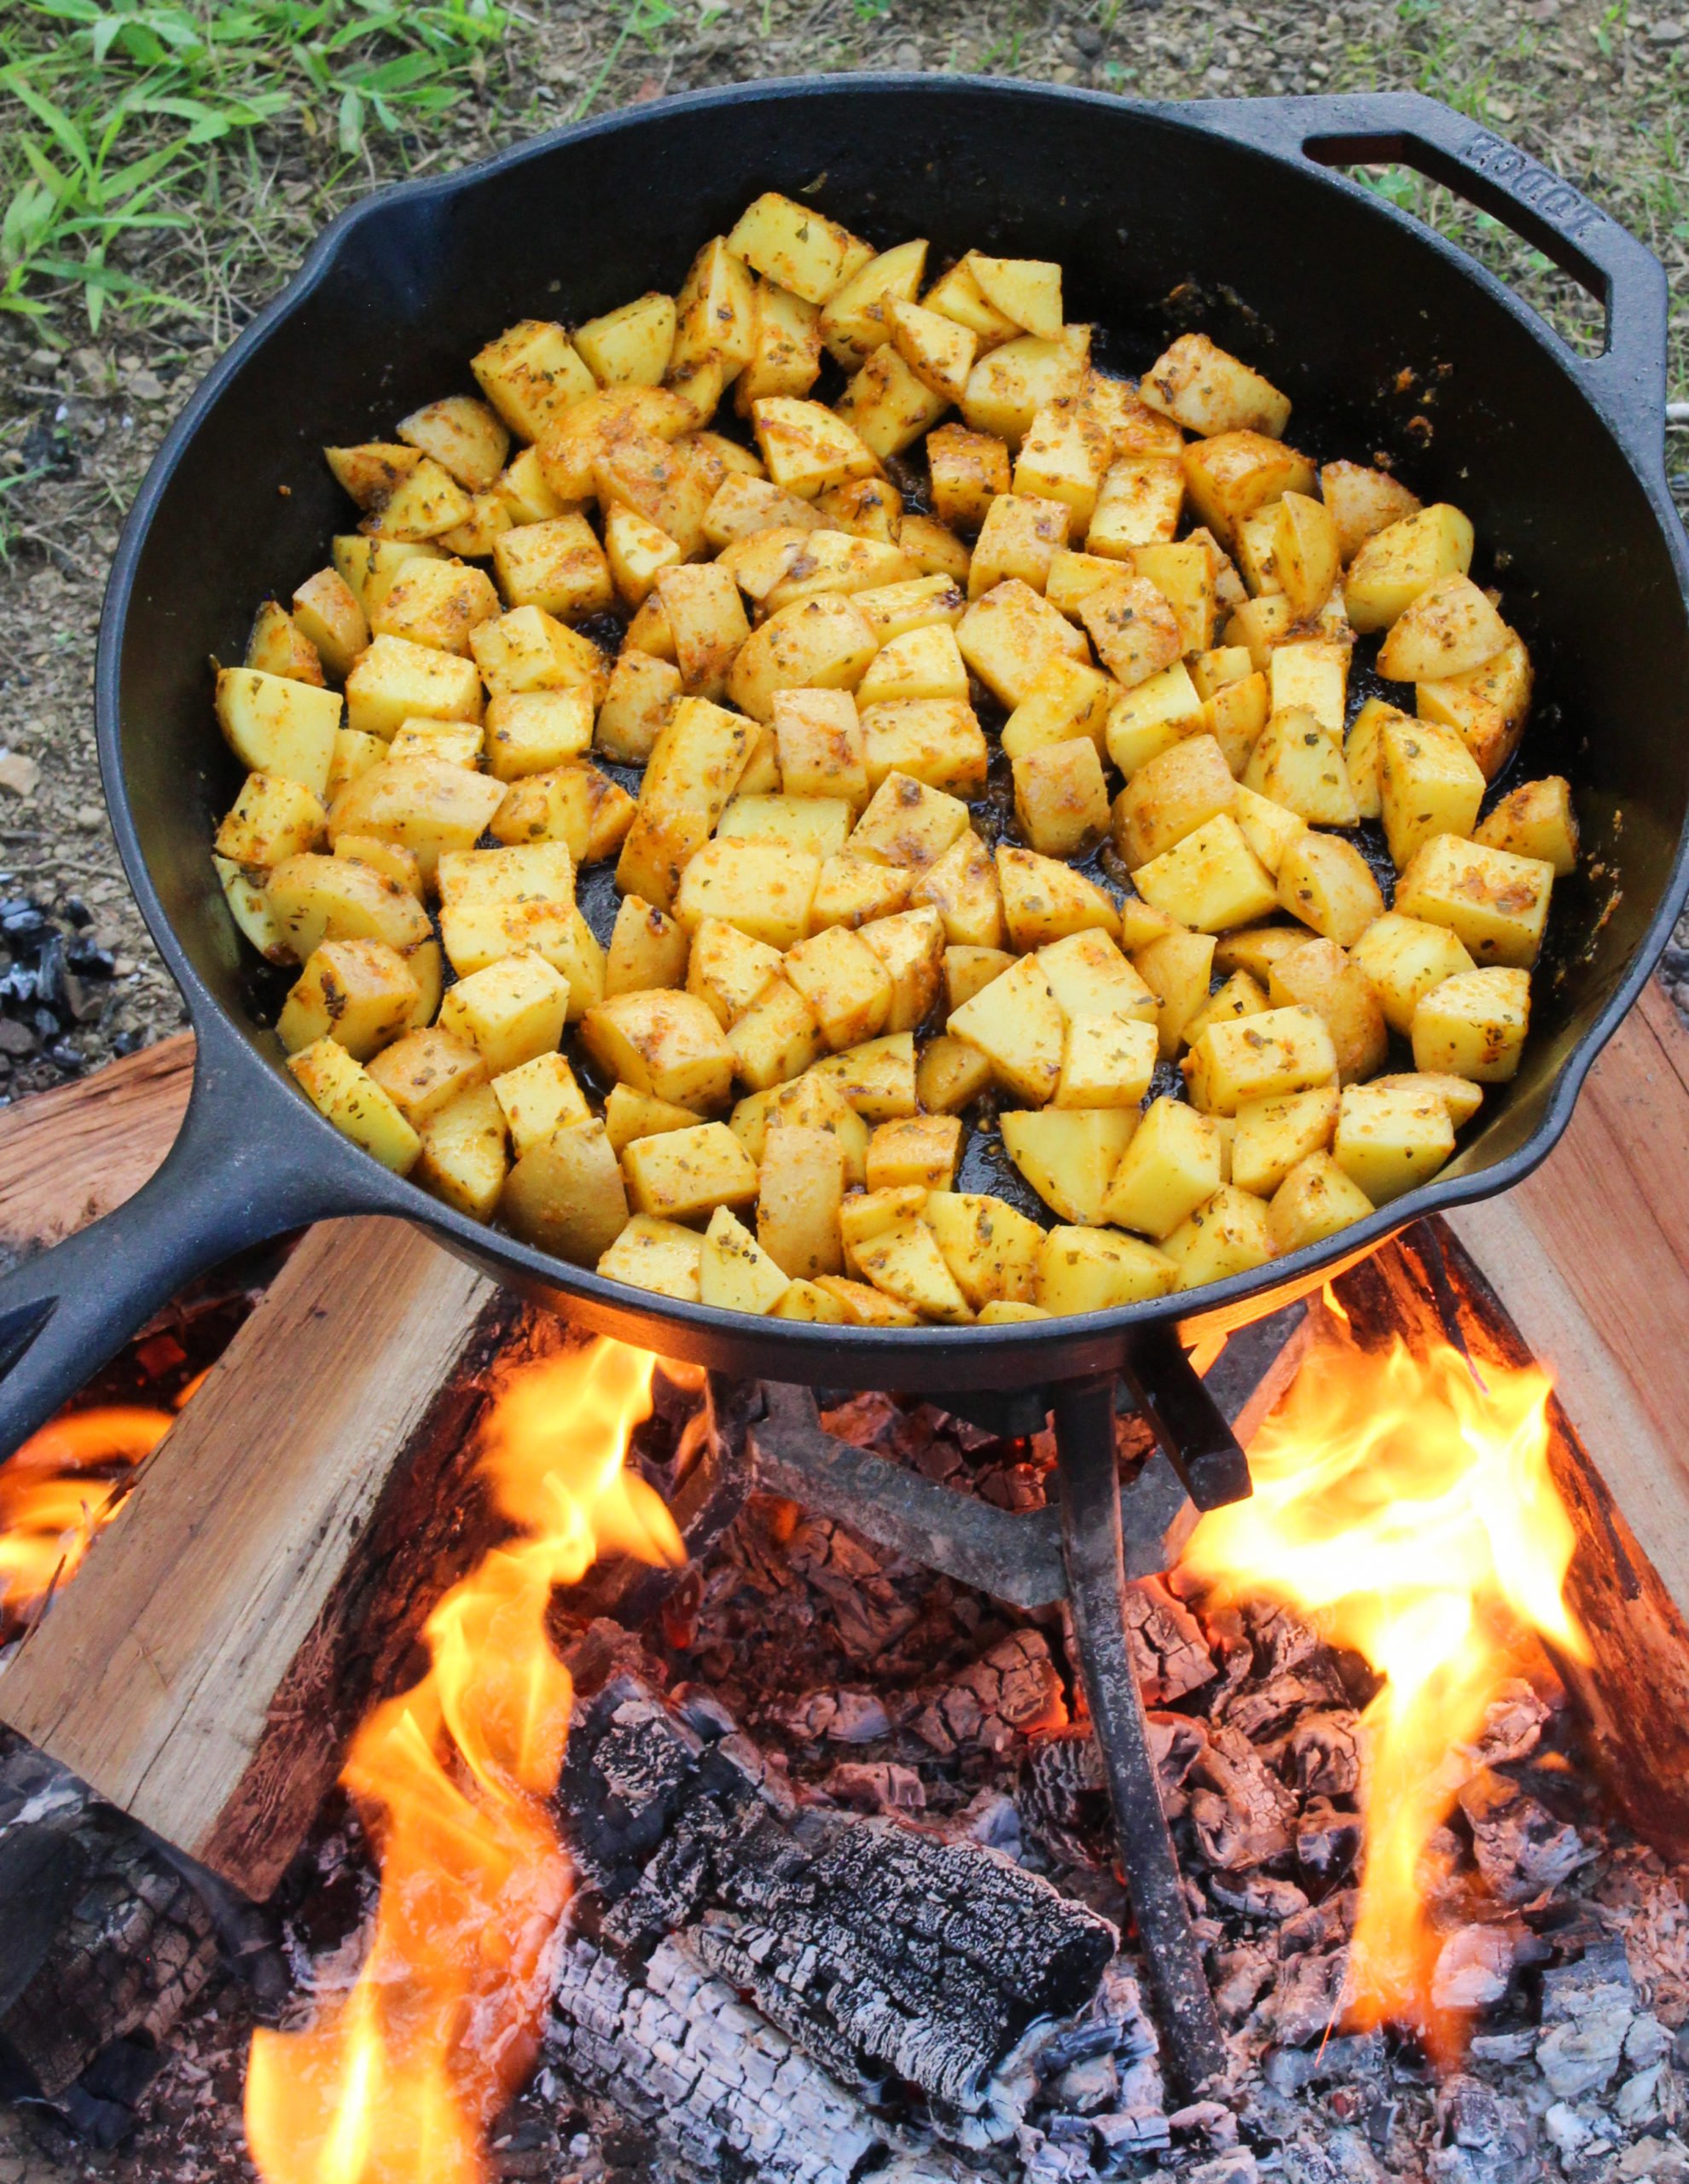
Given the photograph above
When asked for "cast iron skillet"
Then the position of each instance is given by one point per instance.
(1223, 214)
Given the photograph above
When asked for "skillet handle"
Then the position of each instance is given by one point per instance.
(1187, 1422)
(1627, 382)
(223, 1185)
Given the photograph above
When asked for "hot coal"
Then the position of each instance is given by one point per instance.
(53, 982)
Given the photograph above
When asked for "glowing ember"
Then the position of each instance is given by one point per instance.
(62, 1485)
(400, 2080)
(1409, 1512)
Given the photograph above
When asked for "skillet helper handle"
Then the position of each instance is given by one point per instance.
(1187, 1421)
(65, 1312)
(1627, 382)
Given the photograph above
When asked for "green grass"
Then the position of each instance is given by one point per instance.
(117, 122)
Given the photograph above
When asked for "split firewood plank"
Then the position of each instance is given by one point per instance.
(70, 1155)
(1591, 1258)
(273, 1561)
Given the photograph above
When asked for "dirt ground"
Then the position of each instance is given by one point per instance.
(1589, 88)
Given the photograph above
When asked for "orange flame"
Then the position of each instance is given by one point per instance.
(1410, 1512)
(396, 2083)
(63, 1484)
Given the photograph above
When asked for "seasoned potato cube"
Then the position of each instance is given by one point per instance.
(877, 1080)
(575, 804)
(862, 1305)
(662, 1256)
(1063, 458)
(1009, 636)
(818, 824)
(1132, 426)
(1363, 501)
(1362, 752)
(1074, 577)
(852, 892)
(528, 649)
(887, 406)
(1474, 1024)
(523, 490)
(935, 550)
(1311, 673)
(1019, 535)
(1260, 1058)
(921, 1149)
(1486, 708)
(278, 646)
(801, 1185)
(680, 1174)
(1061, 798)
(867, 1214)
(1233, 475)
(1268, 828)
(714, 313)
(395, 680)
(460, 743)
(1086, 1270)
(813, 1102)
(743, 506)
(845, 984)
(1090, 976)
(808, 1300)
(905, 1263)
(706, 623)
(1027, 291)
(270, 820)
(956, 294)
(939, 352)
(1010, 384)
(1209, 391)
(360, 992)
(865, 507)
(435, 603)
(658, 480)
(936, 740)
(1229, 1233)
(806, 447)
(967, 969)
(1326, 883)
(893, 610)
(728, 970)
(1150, 719)
(950, 1075)
(463, 1160)
(1396, 565)
(922, 664)
(1460, 1095)
(1429, 783)
(1314, 1201)
(1016, 1024)
(1320, 976)
(426, 501)
(277, 726)
(969, 470)
(1256, 547)
(329, 616)
(791, 244)
(1450, 628)
(1176, 966)
(855, 320)
(530, 371)
(1240, 995)
(424, 803)
(1272, 1136)
(1257, 949)
(910, 947)
(821, 643)
(664, 1043)
(1170, 796)
(637, 706)
(1135, 630)
(250, 909)
(1171, 1165)
(637, 552)
(314, 898)
(558, 566)
(819, 741)
(647, 949)
(1495, 902)
(1139, 503)
(1070, 1154)
(349, 1098)
(735, 1273)
(509, 1012)
(630, 346)
(1107, 1061)
(425, 1071)
(1066, 699)
(907, 823)
(785, 348)
(537, 1098)
(1045, 900)
(992, 1250)
(1306, 555)
(775, 1039)
(961, 886)
(1535, 820)
(1391, 1137)
(1211, 879)
(764, 888)
(532, 731)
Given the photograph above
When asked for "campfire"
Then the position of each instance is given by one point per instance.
(697, 1832)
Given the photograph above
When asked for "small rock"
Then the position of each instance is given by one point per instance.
(19, 774)
(1665, 34)
(15, 1039)
(146, 386)
(1088, 39)
(89, 815)
(906, 54)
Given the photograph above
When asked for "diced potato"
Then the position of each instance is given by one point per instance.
(743, 506)
(657, 1255)
(313, 898)
(279, 727)
(424, 803)
(528, 649)
(921, 665)
(558, 566)
(819, 643)
(532, 731)
(1232, 475)
(509, 1012)
(637, 706)
(734, 1273)
(1306, 552)
(792, 245)
(1139, 503)
(278, 646)
(667, 1045)
(395, 680)
(1160, 712)
(1314, 1201)
(1085, 1269)
(460, 743)
(1535, 820)
(936, 740)
(1170, 1166)
(637, 552)
(893, 610)
(1230, 1234)
(575, 804)
(524, 493)
(538, 1097)
(887, 405)
(910, 948)
(682, 1174)
(706, 623)
(1066, 699)
(1009, 636)
(852, 892)
(1450, 628)
(630, 346)
(1494, 902)
(1133, 427)
(1209, 391)
(1045, 900)
(775, 1039)
(958, 295)
(877, 1080)
(967, 969)
(920, 1149)
(1396, 565)
(1272, 1136)
(786, 347)
(1362, 752)
(270, 820)
(714, 311)
(807, 1300)
(530, 371)
(866, 507)
(1107, 1061)
(1268, 828)
(764, 888)
(647, 949)
(658, 480)
(1321, 977)
(806, 447)
(1010, 384)
(801, 1185)
(1256, 948)
(961, 886)
(1256, 547)
(349, 1097)
(1063, 458)
(1170, 796)
(1390, 1138)
(819, 741)
(907, 823)
(905, 1263)
(1298, 763)
(950, 1075)
(1260, 1058)
(463, 1160)
(1090, 976)
(992, 1250)
(1020, 533)
(422, 504)
(1135, 630)
(1074, 577)
(250, 909)
(1025, 290)
(359, 992)
(425, 1071)
(1210, 881)
(435, 603)
(937, 349)
(968, 471)
(1070, 1155)
(1429, 783)
(1016, 1024)
(329, 615)
(1460, 1095)
(845, 982)
(1061, 798)
(1311, 672)
(862, 1305)
(1176, 966)
(1486, 708)
(1326, 883)
(867, 1214)
(366, 566)
(1474, 1024)
(854, 320)
(818, 824)
(728, 970)
(1240, 995)
(1363, 501)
